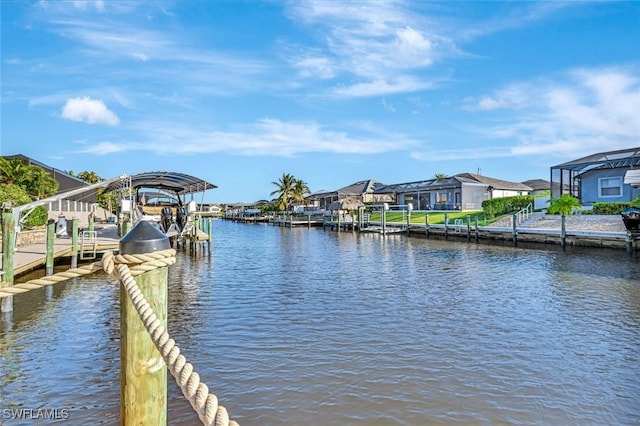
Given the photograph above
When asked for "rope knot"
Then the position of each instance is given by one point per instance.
(142, 262)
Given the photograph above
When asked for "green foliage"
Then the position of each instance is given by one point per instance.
(499, 206)
(33, 179)
(38, 217)
(565, 204)
(14, 193)
(289, 189)
(90, 177)
(610, 208)
(18, 196)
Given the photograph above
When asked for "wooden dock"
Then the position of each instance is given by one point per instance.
(33, 256)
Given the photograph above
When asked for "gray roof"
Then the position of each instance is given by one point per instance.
(453, 181)
(613, 159)
(178, 183)
(538, 184)
(357, 188)
(496, 183)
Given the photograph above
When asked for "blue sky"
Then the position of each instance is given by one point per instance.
(332, 92)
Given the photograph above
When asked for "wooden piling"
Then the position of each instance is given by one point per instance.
(514, 229)
(143, 373)
(426, 224)
(468, 227)
(74, 243)
(563, 232)
(91, 221)
(477, 236)
(8, 252)
(51, 239)
(446, 222)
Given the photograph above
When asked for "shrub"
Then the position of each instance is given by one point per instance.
(565, 204)
(499, 206)
(18, 196)
(610, 208)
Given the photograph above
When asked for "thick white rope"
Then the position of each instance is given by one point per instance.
(203, 402)
(49, 280)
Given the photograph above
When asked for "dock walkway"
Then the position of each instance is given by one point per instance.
(33, 256)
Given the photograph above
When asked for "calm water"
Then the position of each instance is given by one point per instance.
(314, 327)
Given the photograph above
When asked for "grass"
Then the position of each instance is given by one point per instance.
(418, 217)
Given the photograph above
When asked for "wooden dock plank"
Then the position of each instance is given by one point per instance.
(33, 256)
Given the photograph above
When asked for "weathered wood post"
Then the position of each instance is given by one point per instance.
(409, 208)
(8, 251)
(628, 240)
(143, 373)
(92, 220)
(514, 230)
(446, 228)
(74, 243)
(468, 227)
(51, 239)
(563, 232)
(476, 230)
(210, 232)
(385, 207)
(426, 224)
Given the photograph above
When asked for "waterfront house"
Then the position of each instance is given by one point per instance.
(464, 191)
(598, 177)
(364, 191)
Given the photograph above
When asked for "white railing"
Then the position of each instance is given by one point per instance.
(522, 215)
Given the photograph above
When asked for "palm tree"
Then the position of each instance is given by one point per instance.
(91, 177)
(564, 205)
(13, 170)
(300, 190)
(33, 179)
(440, 176)
(285, 187)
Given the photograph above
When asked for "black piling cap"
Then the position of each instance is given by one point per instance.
(144, 238)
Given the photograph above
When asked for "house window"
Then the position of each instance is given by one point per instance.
(441, 197)
(610, 187)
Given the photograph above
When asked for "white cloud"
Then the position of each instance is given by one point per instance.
(437, 155)
(92, 111)
(316, 66)
(578, 113)
(381, 44)
(402, 84)
(85, 4)
(267, 137)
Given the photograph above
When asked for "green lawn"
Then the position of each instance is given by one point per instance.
(435, 217)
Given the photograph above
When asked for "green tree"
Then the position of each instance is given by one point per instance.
(90, 177)
(565, 205)
(300, 190)
(440, 176)
(285, 187)
(18, 196)
(40, 183)
(13, 170)
(33, 179)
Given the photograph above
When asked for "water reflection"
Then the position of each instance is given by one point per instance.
(289, 326)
